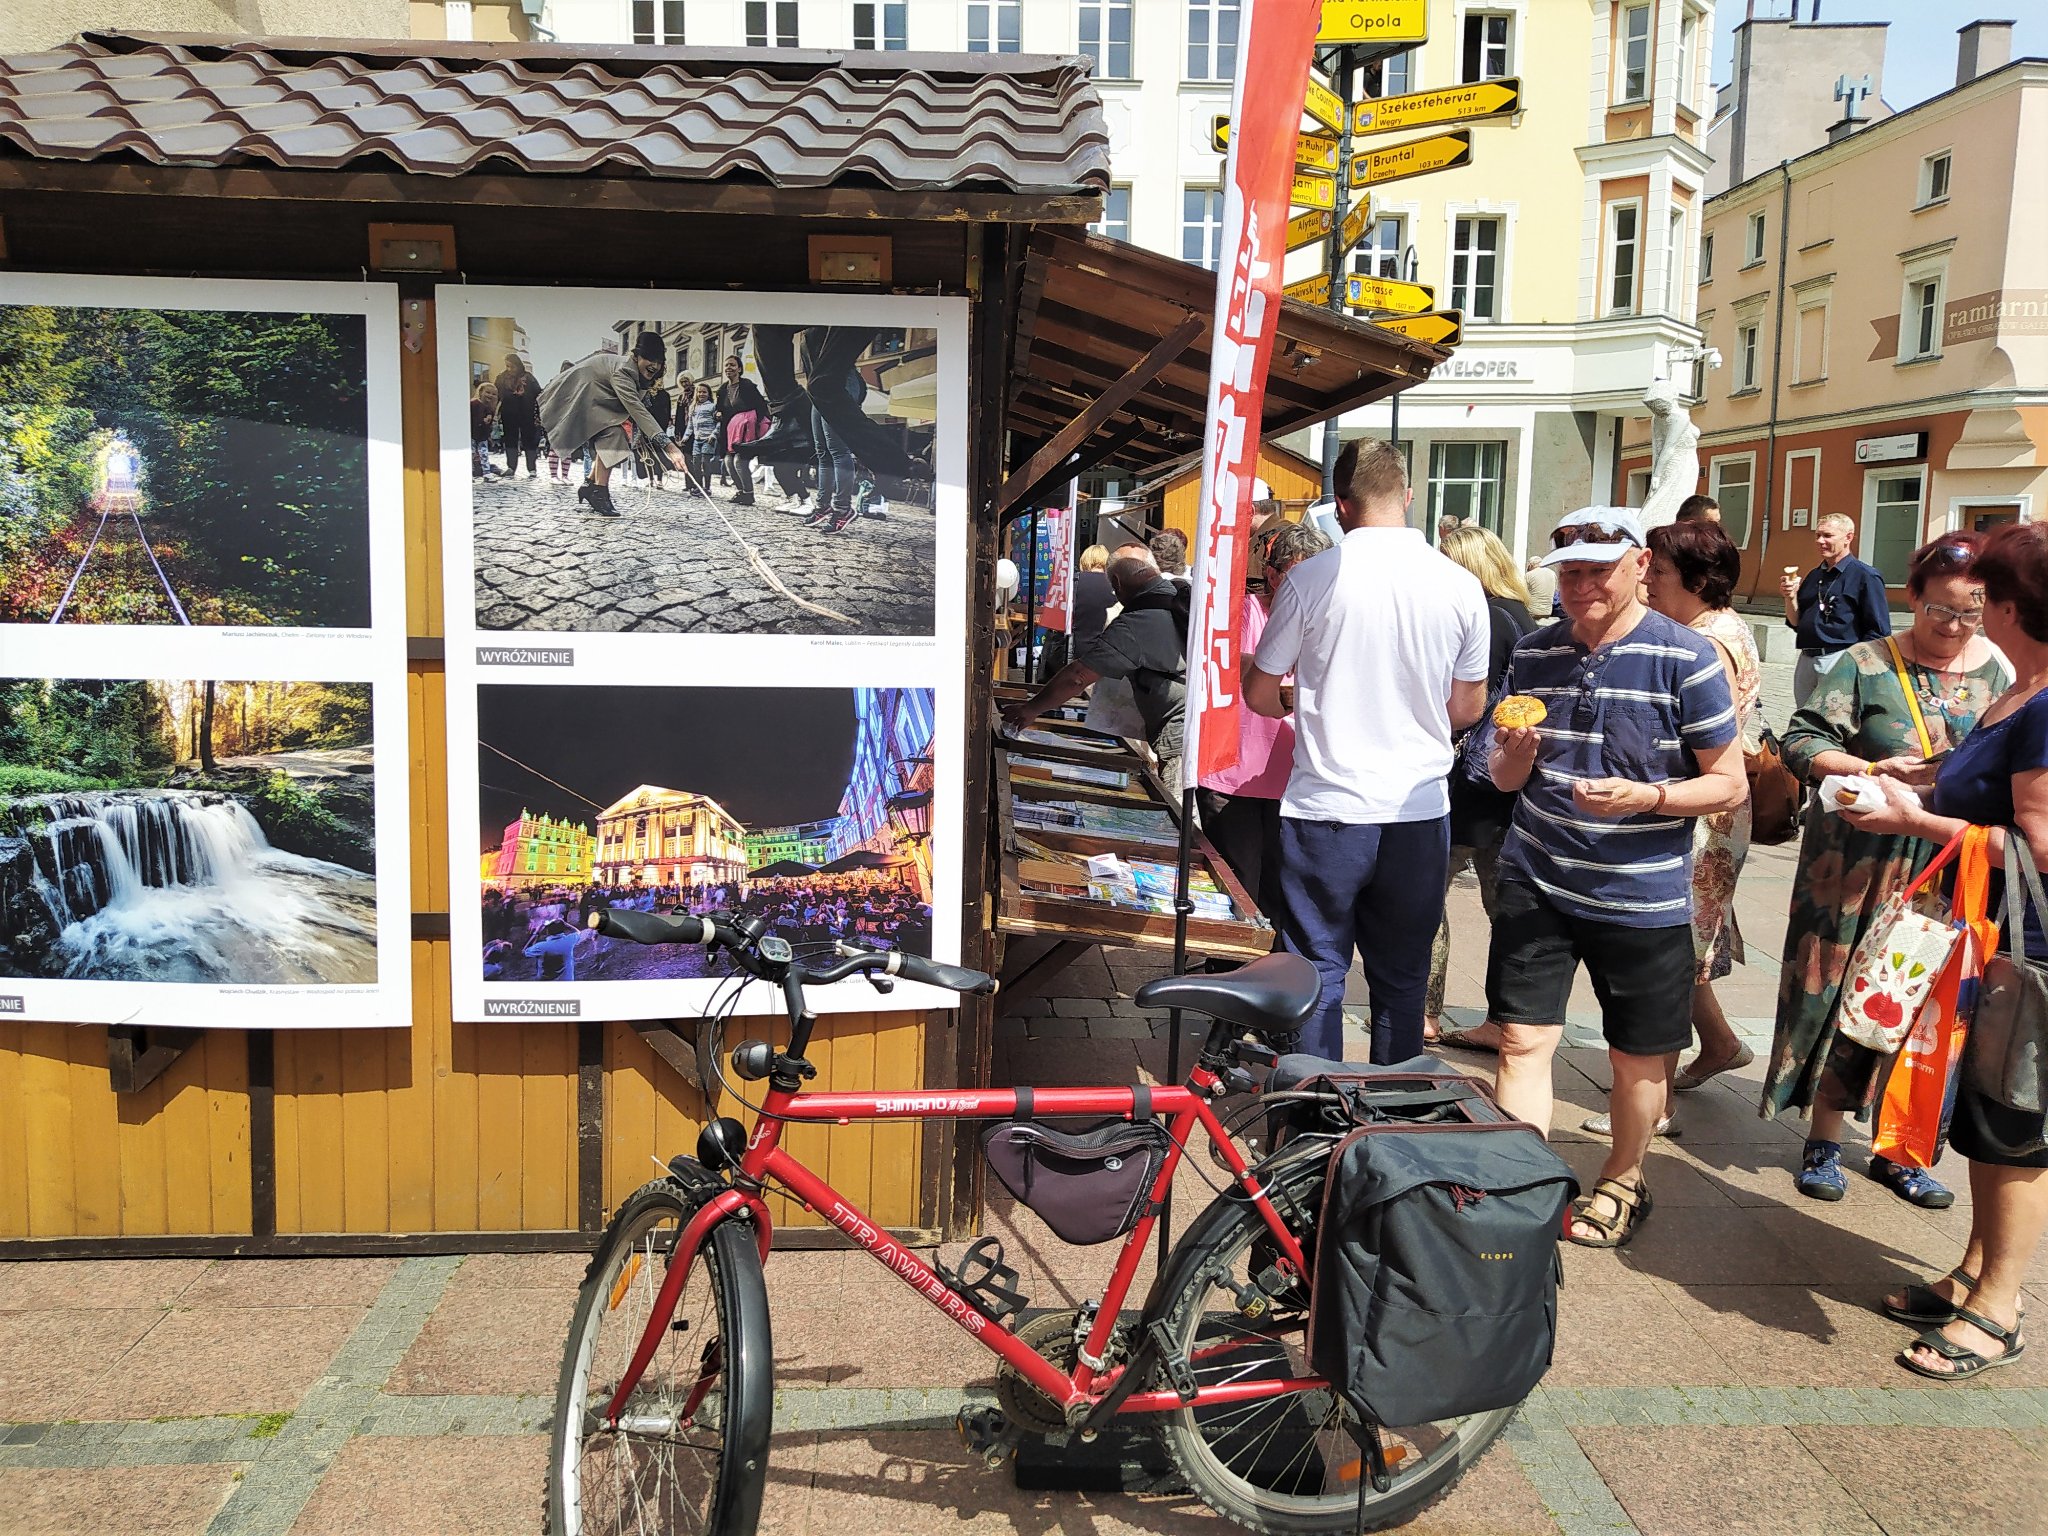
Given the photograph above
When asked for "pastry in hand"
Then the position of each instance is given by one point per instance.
(1518, 710)
(1845, 796)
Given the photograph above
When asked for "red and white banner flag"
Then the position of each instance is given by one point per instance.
(1276, 39)
(1056, 608)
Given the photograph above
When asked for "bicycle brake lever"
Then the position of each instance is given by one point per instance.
(881, 983)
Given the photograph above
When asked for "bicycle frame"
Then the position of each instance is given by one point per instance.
(765, 1162)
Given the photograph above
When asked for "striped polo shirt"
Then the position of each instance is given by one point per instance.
(1638, 708)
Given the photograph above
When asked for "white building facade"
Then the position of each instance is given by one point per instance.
(1570, 242)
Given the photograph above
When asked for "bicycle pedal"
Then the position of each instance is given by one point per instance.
(986, 1432)
(1170, 1364)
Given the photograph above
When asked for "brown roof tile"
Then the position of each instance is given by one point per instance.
(794, 119)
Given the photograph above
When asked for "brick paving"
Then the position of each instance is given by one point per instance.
(674, 563)
(1726, 1373)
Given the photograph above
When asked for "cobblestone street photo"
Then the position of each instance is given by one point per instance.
(674, 562)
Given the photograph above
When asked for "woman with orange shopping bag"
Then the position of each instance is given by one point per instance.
(1996, 778)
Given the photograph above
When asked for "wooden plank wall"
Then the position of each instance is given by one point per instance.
(443, 1128)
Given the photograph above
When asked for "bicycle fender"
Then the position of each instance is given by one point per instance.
(700, 1186)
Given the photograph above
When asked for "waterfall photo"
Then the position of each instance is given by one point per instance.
(187, 831)
(183, 467)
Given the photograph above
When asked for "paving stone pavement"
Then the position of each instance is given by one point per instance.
(675, 563)
(1726, 1373)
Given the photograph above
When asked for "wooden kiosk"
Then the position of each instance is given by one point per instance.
(425, 163)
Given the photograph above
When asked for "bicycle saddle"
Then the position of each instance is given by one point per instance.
(1276, 994)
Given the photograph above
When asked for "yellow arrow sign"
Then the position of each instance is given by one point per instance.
(1307, 228)
(1386, 294)
(1355, 223)
(1418, 157)
(1324, 105)
(1426, 109)
(1310, 290)
(1312, 151)
(1374, 21)
(1440, 328)
(1313, 192)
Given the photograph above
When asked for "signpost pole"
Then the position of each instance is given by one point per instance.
(1347, 63)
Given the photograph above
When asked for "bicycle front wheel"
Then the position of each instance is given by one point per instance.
(690, 1453)
(1287, 1463)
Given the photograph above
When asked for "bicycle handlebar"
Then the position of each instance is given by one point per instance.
(655, 928)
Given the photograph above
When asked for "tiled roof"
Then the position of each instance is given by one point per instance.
(910, 122)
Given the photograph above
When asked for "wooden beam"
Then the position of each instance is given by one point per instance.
(137, 1055)
(1107, 404)
(665, 1038)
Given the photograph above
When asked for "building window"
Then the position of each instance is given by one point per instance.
(1624, 247)
(1390, 77)
(1632, 82)
(1706, 257)
(994, 26)
(1934, 179)
(784, 16)
(1748, 357)
(1116, 215)
(1212, 39)
(658, 23)
(1732, 482)
(1674, 265)
(1688, 43)
(1920, 324)
(1810, 344)
(1201, 226)
(1488, 39)
(1379, 252)
(882, 26)
(1475, 268)
(1753, 247)
(1893, 523)
(1466, 481)
(1106, 37)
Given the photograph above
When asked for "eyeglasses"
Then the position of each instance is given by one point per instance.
(1587, 533)
(1941, 613)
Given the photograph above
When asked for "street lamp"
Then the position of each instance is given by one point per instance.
(910, 816)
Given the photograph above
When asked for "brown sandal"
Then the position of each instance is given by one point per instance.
(1631, 1209)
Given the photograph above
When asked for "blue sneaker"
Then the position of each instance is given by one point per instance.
(1916, 1186)
(1820, 1172)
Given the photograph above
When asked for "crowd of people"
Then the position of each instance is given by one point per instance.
(1579, 736)
(879, 908)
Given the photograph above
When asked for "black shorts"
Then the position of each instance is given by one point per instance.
(1642, 976)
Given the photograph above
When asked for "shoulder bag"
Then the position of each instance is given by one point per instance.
(1894, 968)
(1775, 793)
(2006, 1057)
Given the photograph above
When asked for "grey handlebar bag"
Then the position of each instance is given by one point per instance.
(2005, 1055)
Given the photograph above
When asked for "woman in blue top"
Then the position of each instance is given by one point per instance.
(1996, 777)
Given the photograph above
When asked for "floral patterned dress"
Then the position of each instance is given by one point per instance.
(1721, 842)
(1845, 875)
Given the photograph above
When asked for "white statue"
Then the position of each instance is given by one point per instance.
(1674, 454)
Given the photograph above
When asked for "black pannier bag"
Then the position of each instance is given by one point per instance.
(1088, 1185)
(1436, 1265)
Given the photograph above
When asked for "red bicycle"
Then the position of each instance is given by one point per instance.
(662, 1415)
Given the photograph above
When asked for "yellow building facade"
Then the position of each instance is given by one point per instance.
(653, 837)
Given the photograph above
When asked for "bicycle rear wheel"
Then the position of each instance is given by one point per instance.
(690, 1454)
(1286, 1463)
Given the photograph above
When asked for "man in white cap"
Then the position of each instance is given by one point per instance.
(1638, 737)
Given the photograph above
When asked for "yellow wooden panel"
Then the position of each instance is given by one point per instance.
(419, 728)
(411, 1123)
(365, 1131)
(430, 809)
(455, 1123)
(48, 1155)
(144, 1156)
(309, 1097)
(628, 1112)
(187, 1170)
(547, 1176)
(227, 1111)
(852, 1070)
(419, 398)
(499, 1126)
(13, 1136)
(898, 1145)
(95, 1136)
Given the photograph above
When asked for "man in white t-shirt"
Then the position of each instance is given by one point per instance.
(1387, 641)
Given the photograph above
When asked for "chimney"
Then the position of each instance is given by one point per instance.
(1982, 46)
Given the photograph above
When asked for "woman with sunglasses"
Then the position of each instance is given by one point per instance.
(1889, 707)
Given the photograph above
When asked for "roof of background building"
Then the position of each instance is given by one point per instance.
(1026, 124)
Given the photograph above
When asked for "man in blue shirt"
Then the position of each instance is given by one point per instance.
(1638, 738)
(1837, 603)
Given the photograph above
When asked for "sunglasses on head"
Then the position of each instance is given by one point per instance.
(1588, 533)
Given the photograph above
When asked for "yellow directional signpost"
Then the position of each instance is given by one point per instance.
(1311, 191)
(1312, 151)
(1324, 105)
(1310, 290)
(1384, 293)
(1354, 224)
(1307, 228)
(1440, 328)
(1472, 103)
(1418, 157)
(1374, 21)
